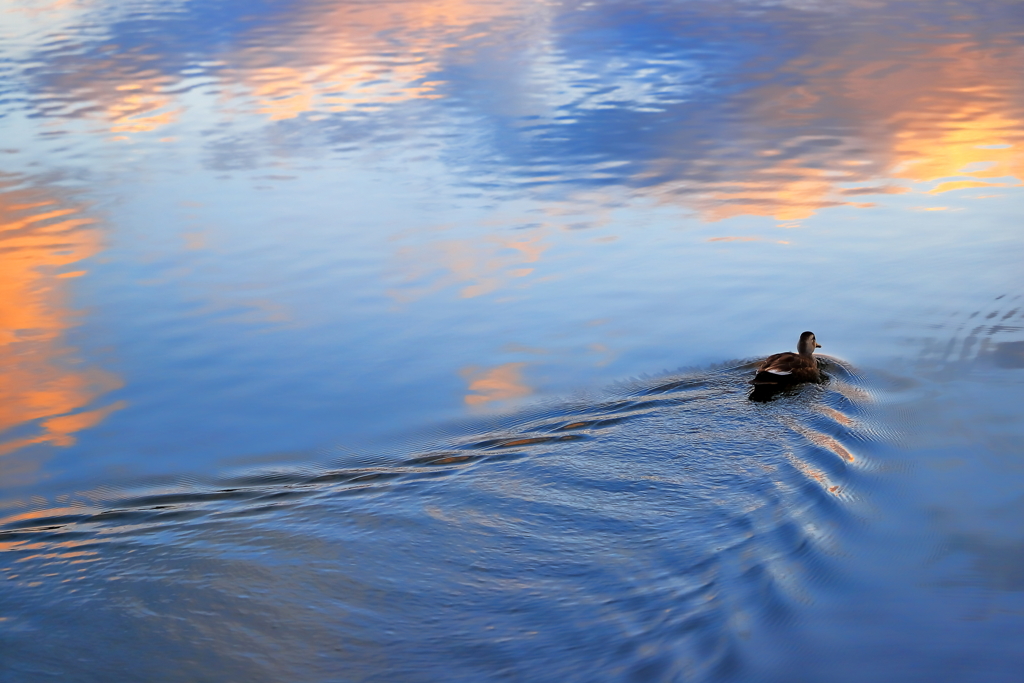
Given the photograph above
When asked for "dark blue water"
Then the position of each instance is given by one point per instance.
(409, 341)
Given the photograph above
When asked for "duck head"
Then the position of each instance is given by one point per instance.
(807, 344)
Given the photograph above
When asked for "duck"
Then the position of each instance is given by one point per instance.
(788, 368)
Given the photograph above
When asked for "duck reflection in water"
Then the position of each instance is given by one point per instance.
(783, 370)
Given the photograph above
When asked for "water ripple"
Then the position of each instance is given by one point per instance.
(643, 532)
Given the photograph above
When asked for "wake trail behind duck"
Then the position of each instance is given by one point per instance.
(646, 530)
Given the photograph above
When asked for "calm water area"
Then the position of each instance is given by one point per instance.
(409, 340)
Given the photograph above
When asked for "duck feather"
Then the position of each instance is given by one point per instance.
(789, 367)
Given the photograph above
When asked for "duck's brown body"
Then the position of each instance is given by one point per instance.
(783, 369)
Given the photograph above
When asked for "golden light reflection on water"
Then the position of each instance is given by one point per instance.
(341, 57)
(854, 119)
(124, 91)
(498, 383)
(815, 474)
(284, 92)
(477, 266)
(949, 116)
(330, 58)
(822, 440)
(46, 396)
(854, 114)
(786, 192)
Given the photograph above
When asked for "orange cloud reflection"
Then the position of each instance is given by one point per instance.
(951, 116)
(122, 90)
(480, 266)
(500, 383)
(324, 58)
(45, 396)
(836, 121)
(340, 57)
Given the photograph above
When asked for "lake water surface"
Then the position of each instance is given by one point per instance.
(409, 341)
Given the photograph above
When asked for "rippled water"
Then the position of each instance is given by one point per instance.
(410, 341)
(644, 535)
